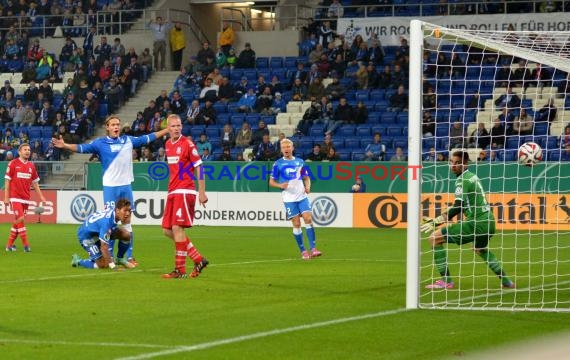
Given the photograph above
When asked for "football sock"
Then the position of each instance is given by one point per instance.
(23, 234)
(311, 235)
(193, 252)
(111, 247)
(440, 259)
(130, 249)
(13, 235)
(88, 264)
(180, 258)
(298, 234)
(494, 264)
(122, 248)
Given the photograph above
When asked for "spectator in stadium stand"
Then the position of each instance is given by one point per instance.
(316, 154)
(264, 102)
(375, 151)
(564, 139)
(207, 115)
(399, 77)
(103, 51)
(246, 58)
(335, 90)
(204, 53)
(247, 101)
(7, 88)
(331, 155)
(226, 91)
(228, 137)
(565, 154)
(385, 78)
(497, 134)
(523, 124)
(399, 156)
(265, 150)
(480, 137)
(259, 133)
(375, 52)
(360, 114)
(117, 49)
(145, 60)
(399, 100)
(316, 89)
(300, 74)
(279, 104)
(226, 155)
(315, 54)
(338, 67)
(159, 30)
(177, 45)
(209, 91)
(244, 136)
(227, 38)
(325, 34)
(509, 99)
(456, 136)
(20, 176)
(547, 113)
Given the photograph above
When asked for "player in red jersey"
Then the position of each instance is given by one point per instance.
(184, 164)
(20, 176)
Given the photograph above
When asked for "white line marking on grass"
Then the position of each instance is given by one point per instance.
(263, 334)
(67, 343)
(96, 272)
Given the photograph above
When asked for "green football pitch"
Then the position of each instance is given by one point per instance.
(257, 300)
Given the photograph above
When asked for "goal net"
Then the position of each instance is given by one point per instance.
(487, 93)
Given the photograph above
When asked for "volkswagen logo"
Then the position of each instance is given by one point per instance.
(82, 206)
(324, 210)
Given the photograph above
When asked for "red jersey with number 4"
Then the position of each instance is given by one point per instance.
(21, 175)
(182, 157)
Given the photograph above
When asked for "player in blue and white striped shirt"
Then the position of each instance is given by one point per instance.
(289, 175)
(116, 154)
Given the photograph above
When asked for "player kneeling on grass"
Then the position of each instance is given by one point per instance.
(96, 232)
(295, 184)
(477, 225)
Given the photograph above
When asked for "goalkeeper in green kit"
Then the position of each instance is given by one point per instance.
(476, 224)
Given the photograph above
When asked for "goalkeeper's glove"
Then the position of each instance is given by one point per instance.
(429, 225)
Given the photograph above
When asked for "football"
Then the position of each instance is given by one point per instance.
(530, 153)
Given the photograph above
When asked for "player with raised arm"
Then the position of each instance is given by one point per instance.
(476, 224)
(115, 152)
(96, 232)
(288, 174)
(20, 176)
(184, 165)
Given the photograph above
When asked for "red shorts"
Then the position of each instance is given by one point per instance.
(19, 209)
(179, 210)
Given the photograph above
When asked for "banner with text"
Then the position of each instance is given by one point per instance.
(512, 211)
(222, 209)
(391, 29)
(48, 216)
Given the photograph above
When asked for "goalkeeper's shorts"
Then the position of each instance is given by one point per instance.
(477, 231)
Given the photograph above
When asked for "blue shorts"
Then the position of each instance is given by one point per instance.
(92, 248)
(113, 193)
(295, 208)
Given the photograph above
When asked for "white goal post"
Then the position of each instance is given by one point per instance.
(487, 93)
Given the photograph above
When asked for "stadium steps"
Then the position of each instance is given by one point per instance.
(63, 175)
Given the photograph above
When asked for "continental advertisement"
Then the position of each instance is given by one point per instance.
(512, 211)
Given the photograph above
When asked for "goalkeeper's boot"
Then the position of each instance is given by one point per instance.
(175, 274)
(133, 261)
(75, 259)
(27, 249)
(124, 262)
(11, 248)
(440, 284)
(509, 285)
(315, 253)
(199, 267)
(305, 255)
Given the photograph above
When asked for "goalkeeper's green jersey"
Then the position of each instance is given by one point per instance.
(468, 189)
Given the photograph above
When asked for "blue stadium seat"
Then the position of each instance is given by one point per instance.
(352, 142)
(237, 120)
(513, 142)
(362, 95)
(212, 132)
(441, 130)
(262, 62)
(358, 155)
(347, 130)
(223, 118)
(400, 143)
(235, 75)
(382, 129)
(394, 131)
(541, 128)
(553, 155)
(47, 132)
(103, 110)
(551, 143)
(280, 73)
(220, 108)
(276, 63)
(402, 117)
(344, 155)
(34, 132)
(374, 118)
(388, 118)
(509, 155)
(377, 94)
(338, 142)
(363, 130)
(317, 130)
(306, 143)
(268, 119)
